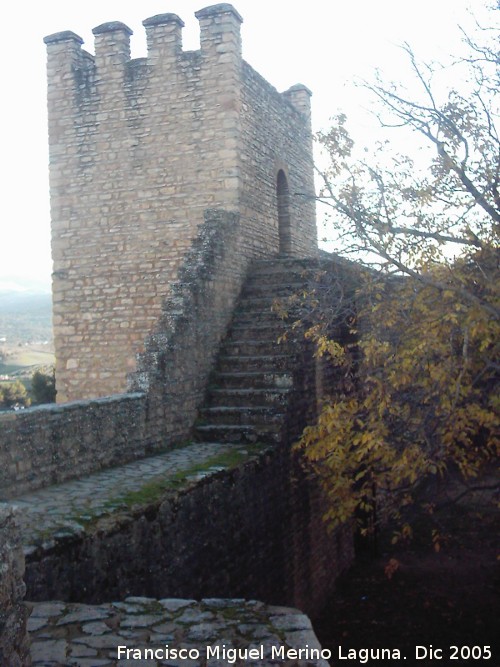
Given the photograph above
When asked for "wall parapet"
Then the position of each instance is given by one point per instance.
(50, 444)
(174, 368)
(219, 34)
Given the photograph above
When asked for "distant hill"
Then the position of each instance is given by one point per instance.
(16, 284)
(25, 316)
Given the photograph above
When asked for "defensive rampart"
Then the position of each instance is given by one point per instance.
(46, 445)
(255, 531)
(169, 175)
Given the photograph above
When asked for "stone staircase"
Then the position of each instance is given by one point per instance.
(250, 388)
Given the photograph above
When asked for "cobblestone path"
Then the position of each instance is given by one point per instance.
(178, 633)
(64, 509)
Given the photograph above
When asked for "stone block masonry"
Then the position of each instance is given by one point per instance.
(14, 641)
(254, 530)
(50, 444)
(139, 149)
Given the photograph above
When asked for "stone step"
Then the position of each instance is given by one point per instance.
(254, 347)
(231, 433)
(244, 314)
(263, 417)
(282, 274)
(254, 289)
(243, 363)
(255, 331)
(252, 380)
(259, 304)
(286, 265)
(249, 319)
(249, 391)
(250, 397)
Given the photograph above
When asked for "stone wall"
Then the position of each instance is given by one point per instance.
(49, 444)
(14, 641)
(139, 149)
(276, 134)
(255, 531)
(179, 353)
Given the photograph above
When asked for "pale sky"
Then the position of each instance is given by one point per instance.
(324, 44)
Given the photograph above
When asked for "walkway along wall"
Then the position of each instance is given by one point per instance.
(254, 532)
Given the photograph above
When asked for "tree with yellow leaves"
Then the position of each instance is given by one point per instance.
(420, 400)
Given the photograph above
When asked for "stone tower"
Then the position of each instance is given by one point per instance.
(139, 150)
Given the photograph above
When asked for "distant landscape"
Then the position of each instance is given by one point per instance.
(26, 340)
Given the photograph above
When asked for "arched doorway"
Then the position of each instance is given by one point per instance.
(284, 231)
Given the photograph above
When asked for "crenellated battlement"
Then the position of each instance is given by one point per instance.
(219, 39)
(220, 44)
(139, 150)
(164, 37)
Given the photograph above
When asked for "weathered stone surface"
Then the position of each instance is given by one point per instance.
(218, 642)
(141, 621)
(83, 615)
(47, 609)
(14, 641)
(291, 622)
(109, 641)
(173, 604)
(245, 531)
(96, 628)
(36, 623)
(49, 650)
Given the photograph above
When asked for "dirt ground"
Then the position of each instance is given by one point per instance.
(439, 599)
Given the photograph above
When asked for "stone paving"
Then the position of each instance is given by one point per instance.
(150, 632)
(65, 509)
(177, 633)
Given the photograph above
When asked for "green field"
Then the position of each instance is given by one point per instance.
(24, 359)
